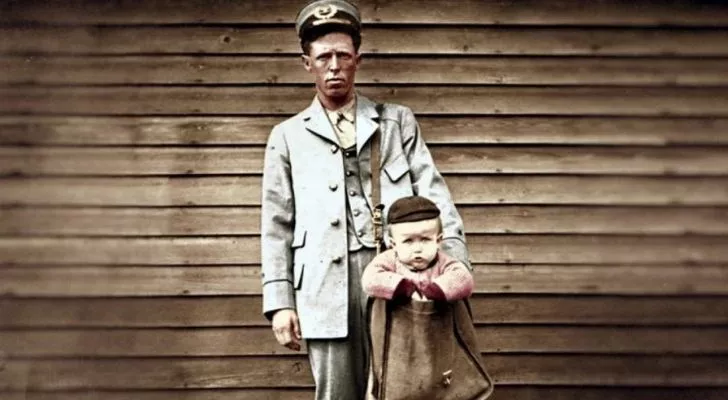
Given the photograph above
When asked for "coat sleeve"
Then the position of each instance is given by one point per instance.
(380, 278)
(428, 182)
(455, 280)
(277, 226)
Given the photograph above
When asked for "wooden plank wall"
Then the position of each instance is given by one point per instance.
(585, 144)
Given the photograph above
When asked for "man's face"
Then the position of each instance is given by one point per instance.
(416, 243)
(333, 62)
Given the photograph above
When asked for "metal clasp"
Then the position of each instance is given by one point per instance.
(378, 223)
(447, 378)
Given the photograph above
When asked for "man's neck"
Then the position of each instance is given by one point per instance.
(333, 104)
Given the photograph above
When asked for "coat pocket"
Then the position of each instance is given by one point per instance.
(396, 169)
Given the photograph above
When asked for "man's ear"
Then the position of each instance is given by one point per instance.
(358, 59)
(306, 59)
(439, 237)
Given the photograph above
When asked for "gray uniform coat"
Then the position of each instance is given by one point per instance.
(303, 229)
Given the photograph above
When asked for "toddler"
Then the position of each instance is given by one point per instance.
(414, 266)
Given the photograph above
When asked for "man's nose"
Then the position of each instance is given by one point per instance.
(334, 64)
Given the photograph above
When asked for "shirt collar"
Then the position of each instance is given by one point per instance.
(347, 110)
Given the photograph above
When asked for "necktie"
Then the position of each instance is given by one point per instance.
(345, 130)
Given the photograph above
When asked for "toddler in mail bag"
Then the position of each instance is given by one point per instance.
(423, 343)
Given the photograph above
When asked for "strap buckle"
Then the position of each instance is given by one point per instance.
(377, 221)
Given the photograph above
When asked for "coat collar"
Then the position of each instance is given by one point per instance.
(367, 121)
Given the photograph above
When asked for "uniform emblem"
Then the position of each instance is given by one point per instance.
(325, 12)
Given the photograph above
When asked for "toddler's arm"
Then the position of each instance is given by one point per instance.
(381, 280)
(456, 281)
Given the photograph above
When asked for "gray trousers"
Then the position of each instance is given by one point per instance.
(340, 365)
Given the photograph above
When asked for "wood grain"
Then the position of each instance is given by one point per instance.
(198, 394)
(172, 373)
(245, 250)
(465, 189)
(504, 392)
(527, 12)
(209, 280)
(689, 310)
(32, 39)
(584, 147)
(482, 100)
(593, 219)
(245, 70)
(198, 221)
(262, 372)
(703, 161)
(259, 341)
(188, 130)
(146, 312)
(245, 311)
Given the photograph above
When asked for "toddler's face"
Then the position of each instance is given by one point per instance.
(416, 243)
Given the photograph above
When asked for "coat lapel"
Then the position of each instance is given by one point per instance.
(317, 122)
(367, 121)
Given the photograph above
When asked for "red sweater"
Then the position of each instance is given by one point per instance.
(382, 276)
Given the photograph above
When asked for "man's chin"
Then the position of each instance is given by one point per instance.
(336, 93)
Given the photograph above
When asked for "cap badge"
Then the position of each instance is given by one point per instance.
(325, 12)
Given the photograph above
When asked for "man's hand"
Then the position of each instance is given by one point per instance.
(287, 329)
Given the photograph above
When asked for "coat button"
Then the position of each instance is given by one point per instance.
(336, 259)
(360, 233)
(356, 213)
(349, 153)
(334, 148)
(349, 173)
(352, 193)
(335, 222)
(333, 186)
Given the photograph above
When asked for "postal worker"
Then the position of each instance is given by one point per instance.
(317, 207)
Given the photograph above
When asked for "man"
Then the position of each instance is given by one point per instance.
(317, 231)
